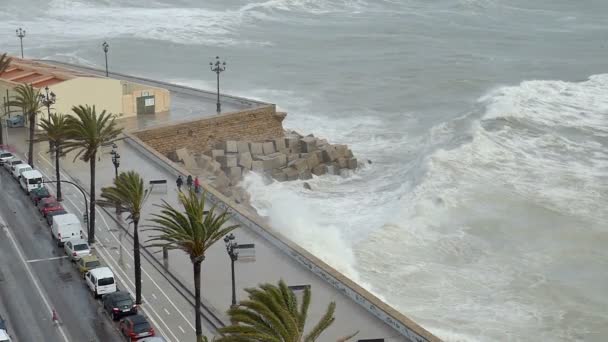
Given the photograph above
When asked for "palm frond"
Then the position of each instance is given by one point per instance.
(5, 61)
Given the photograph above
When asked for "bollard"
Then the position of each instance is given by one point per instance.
(165, 257)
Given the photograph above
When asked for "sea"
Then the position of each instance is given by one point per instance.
(483, 213)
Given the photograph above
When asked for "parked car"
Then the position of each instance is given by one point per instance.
(135, 327)
(30, 180)
(49, 216)
(18, 169)
(153, 339)
(6, 156)
(76, 249)
(119, 304)
(87, 263)
(10, 164)
(38, 194)
(15, 121)
(46, 205)
(4, 336)
(100, 281)
(65, 227)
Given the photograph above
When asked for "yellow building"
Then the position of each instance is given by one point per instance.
(72, 88)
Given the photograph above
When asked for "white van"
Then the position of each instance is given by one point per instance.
(19, 169)
(65, 227)
(30, 180)
(100, 281)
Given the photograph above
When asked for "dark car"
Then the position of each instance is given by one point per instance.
(37, 194)
(119, 304)
(46, 205)
(135, 327)
(49, 215)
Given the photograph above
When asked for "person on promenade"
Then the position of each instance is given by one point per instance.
(179, 182)
(197, 185)
(189, 182)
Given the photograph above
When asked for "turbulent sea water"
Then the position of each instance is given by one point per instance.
(483, 216)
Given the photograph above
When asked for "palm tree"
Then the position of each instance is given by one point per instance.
(130, 195)
(28, 99)
(193, 231)
(5, 61)
(272, 314)
(55, 129)
(87, 132)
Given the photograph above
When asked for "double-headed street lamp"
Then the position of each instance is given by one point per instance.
(218, 67)
(231, 248)
(106, 48)
(48, 99)
(115, 160)
(20, 33)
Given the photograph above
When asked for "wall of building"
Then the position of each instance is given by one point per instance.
(103, 93)
(251, 125)
(131, 91)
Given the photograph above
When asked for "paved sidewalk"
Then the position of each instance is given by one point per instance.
(269, 265)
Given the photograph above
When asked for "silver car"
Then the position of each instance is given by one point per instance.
(5, 156)
(76, 249)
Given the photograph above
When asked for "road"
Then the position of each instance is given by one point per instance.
(35, 278)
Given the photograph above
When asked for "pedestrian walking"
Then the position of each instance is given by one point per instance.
(179, 182)
(189, 182)
(197, 185)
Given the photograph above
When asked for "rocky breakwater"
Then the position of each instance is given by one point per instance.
(288, 158)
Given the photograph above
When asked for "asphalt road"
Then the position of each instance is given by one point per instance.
(36, 278)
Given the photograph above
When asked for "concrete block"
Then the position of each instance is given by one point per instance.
(319, 155)
(279, 144)
(284, 150)
(299, 164)
(312, 161)
(216, 153)
(242, 147)
(266, 162)
(308, 144)
(291, 173)
(231, 146)
(291, 142)
(329, 155)
(349, 154)
(268, 147)
(227, 161)
(245, 160)
(279, 175)
(235, 173)
(304, 175)
(341, 150)
(320, 170)
(279, 160)
(292, 157)
(304, 155)
(351, 163)
(331, 169)
(342, 162)
(257, 166)
(256, 148)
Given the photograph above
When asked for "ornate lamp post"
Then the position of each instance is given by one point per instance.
(115, 160)
(218, 67)
(20, 33)
(231, 248)
(48, 99)
(106, 48)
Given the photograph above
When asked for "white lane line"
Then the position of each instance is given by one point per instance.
(182, 329)
(167, 311)
(29, 272)
(153, 295)
(131, 256)
(47, 259)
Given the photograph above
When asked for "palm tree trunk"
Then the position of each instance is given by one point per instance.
(30, 154)
(136, 258)
(197, 300)
(1, 132)
(57, 176)
(92, 199)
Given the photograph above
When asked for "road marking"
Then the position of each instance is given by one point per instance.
(29, 272)
(182, 329)
(153, 295)
(130, 256)
(47, 259)
(107, 240)
(128, 266)
(167, 311)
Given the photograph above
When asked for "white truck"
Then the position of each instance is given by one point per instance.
(30, 180)
(65, 227)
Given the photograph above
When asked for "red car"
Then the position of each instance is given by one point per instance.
(46, 205)
(135, 327)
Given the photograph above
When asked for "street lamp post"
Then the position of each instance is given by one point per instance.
(218, 67)
(231, 248)
(106, 47)
(20, 33)
(48, 99)
(115, 160)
